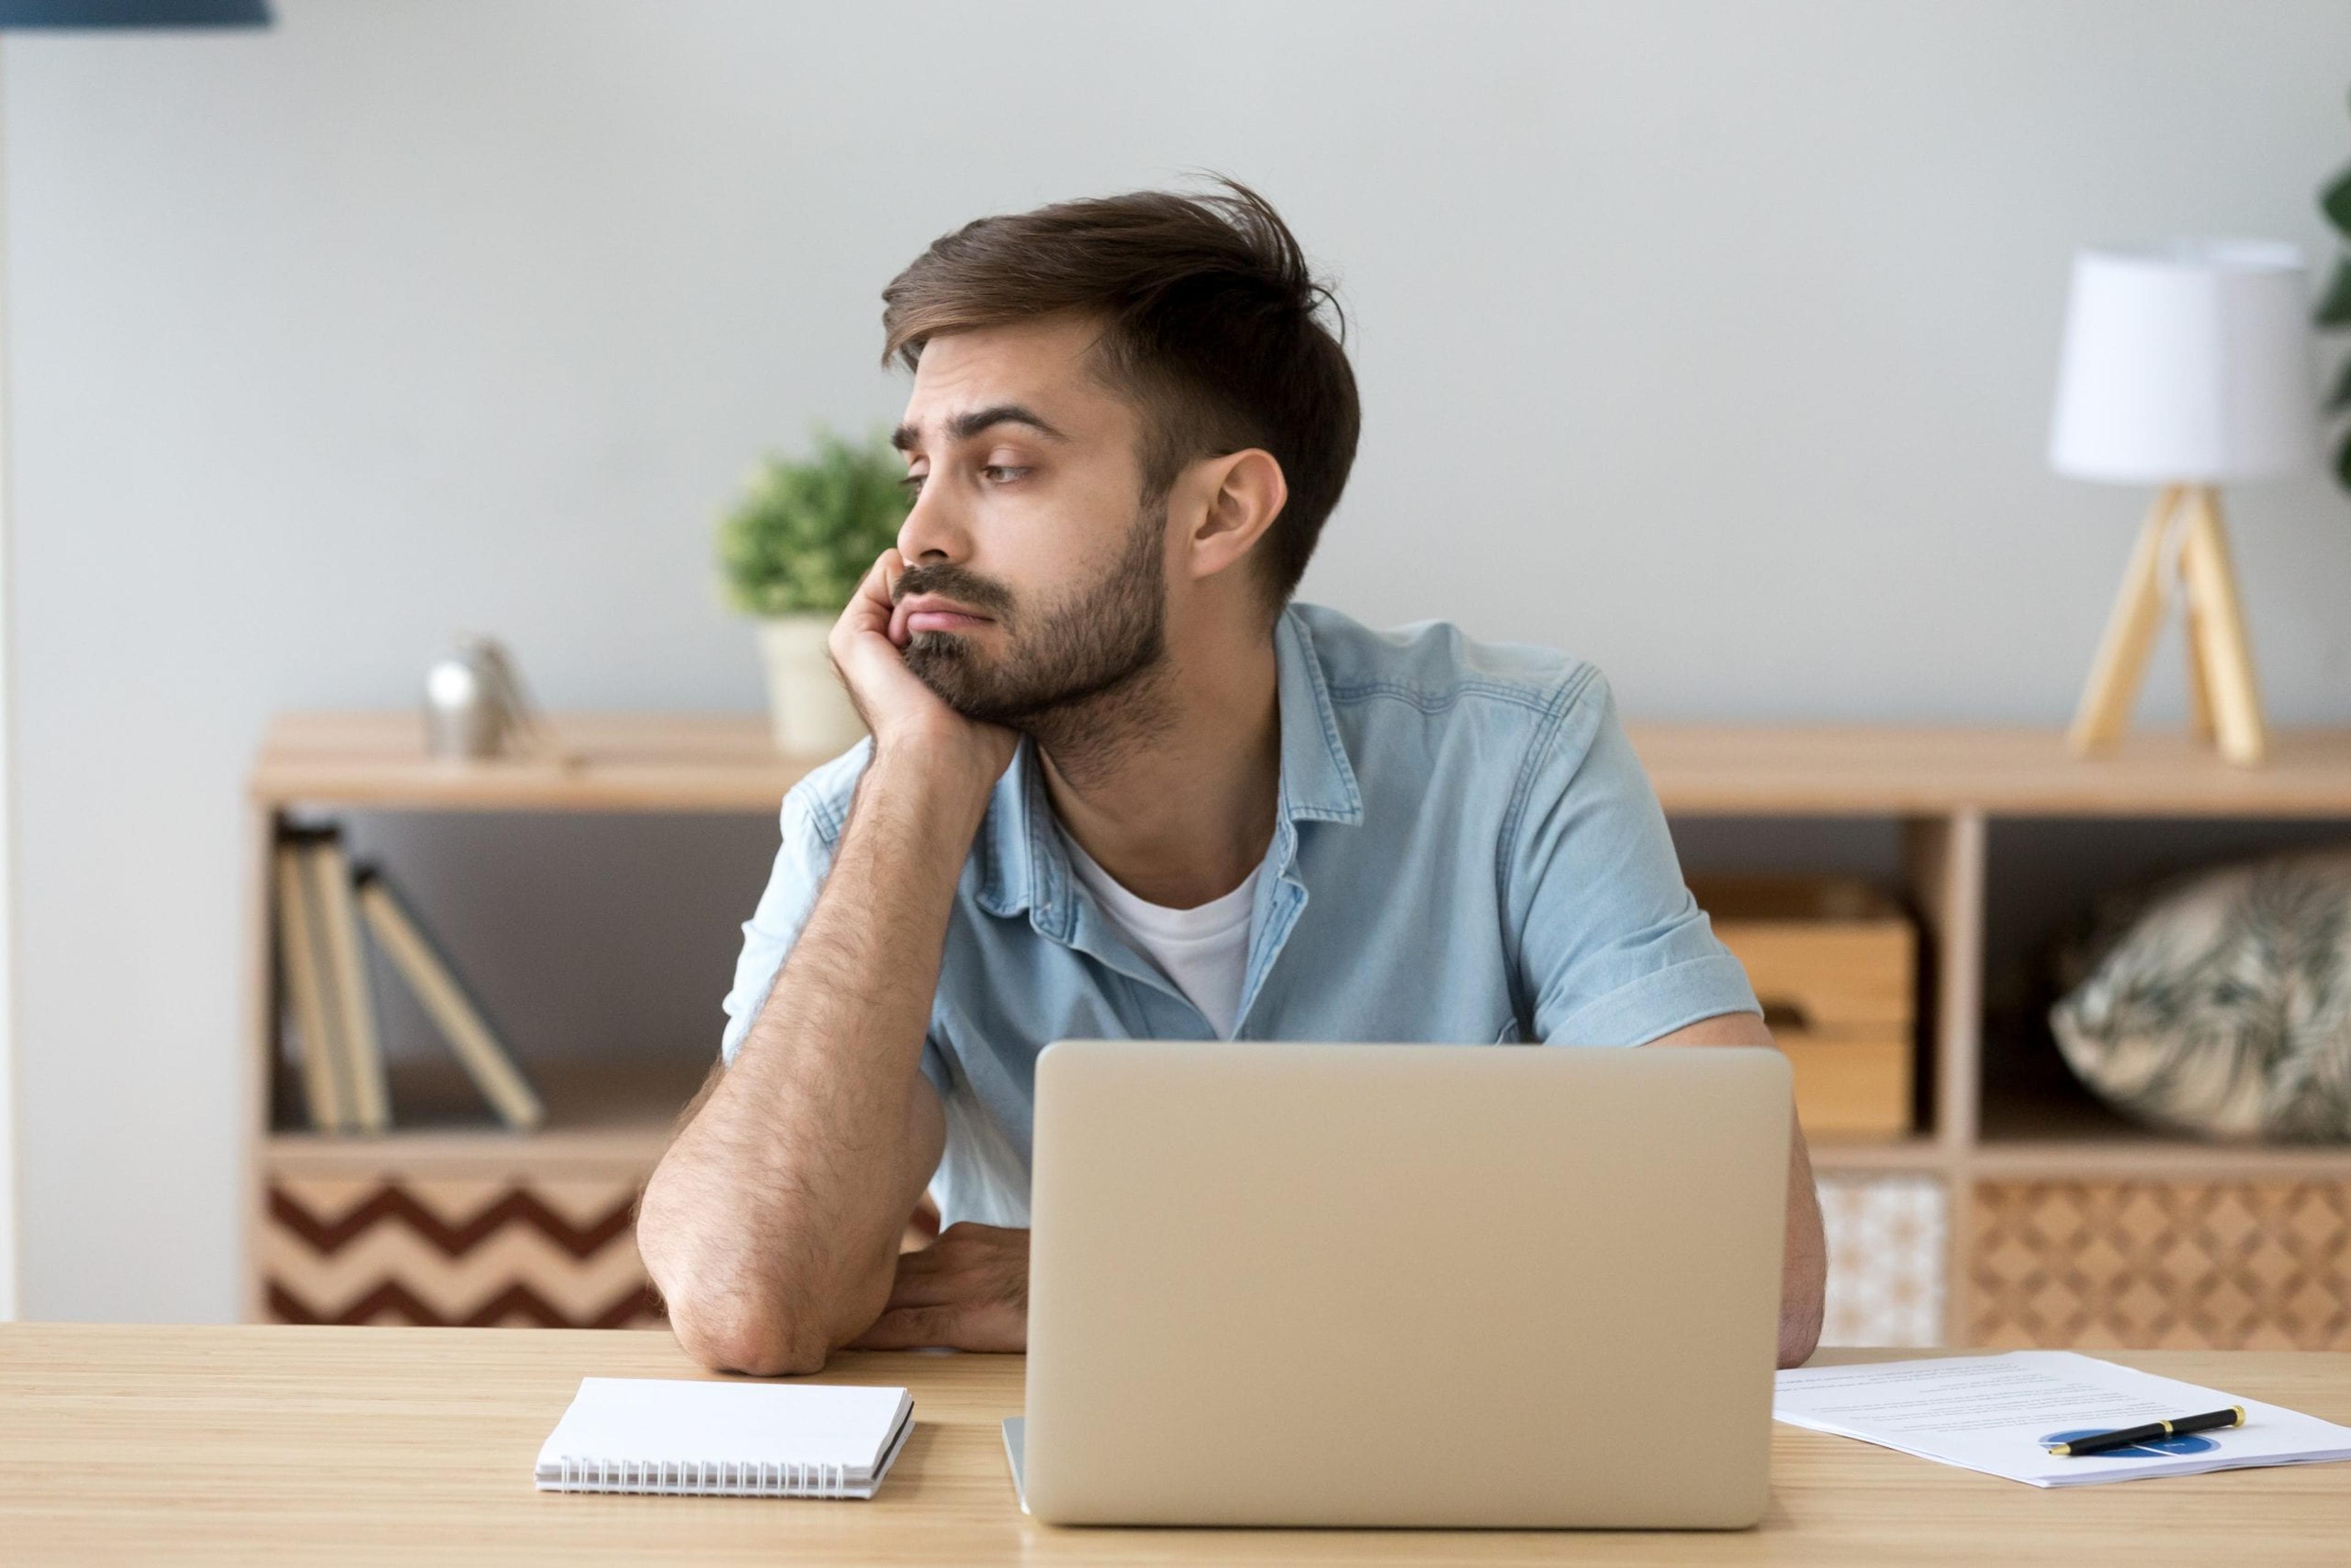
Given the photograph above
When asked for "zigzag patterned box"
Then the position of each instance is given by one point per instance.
(538, 1252)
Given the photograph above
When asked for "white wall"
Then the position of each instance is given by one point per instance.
(1712, 341)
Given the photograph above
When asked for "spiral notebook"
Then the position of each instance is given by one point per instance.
(685, 1439)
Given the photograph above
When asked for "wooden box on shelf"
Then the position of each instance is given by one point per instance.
(1835, 965)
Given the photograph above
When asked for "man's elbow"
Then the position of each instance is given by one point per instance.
(738, 1336)
(724, 1314)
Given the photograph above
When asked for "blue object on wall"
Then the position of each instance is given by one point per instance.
(135, 14)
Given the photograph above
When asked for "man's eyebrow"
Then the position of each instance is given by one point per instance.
(963, 426)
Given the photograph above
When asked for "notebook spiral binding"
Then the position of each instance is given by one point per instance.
(702, 1477)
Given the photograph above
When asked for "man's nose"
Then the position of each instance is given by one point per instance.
(932, 534)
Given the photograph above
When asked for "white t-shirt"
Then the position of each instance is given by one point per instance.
(1203, 950)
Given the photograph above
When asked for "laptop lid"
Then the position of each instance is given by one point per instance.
(1404, 1285)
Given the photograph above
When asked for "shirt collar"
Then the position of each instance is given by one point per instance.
(1318, 783)
(1023, 865)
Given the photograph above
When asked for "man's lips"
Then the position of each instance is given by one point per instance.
(942, 620)
(927, 612)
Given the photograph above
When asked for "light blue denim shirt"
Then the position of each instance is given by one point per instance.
(1466, 851)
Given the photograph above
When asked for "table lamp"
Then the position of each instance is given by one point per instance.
(2185, 366)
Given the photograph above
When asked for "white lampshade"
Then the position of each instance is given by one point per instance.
(2187, 363)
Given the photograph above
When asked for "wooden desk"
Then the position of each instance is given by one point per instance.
(261, 1443)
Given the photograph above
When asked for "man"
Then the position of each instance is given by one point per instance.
(1119, 786)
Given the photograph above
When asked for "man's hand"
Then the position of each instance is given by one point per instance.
(969, 1289)
(867, 646)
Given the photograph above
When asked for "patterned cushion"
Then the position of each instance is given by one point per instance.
(2220, 1003)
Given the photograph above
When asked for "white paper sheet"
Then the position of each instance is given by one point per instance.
(1997, 1414)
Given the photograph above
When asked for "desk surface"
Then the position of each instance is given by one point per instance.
(255, 1445)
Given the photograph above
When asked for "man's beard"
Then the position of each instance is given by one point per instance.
(1106, 637)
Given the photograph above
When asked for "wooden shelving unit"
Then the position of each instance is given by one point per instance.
(1997, 1161)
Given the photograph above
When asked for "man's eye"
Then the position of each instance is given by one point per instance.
(1000, 474)
(912, 482)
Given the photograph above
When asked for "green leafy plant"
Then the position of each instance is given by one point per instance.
(2335, 310)
(805, 533)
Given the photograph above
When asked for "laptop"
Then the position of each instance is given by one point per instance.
(1282, 1284)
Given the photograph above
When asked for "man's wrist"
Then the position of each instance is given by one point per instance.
(937, 787)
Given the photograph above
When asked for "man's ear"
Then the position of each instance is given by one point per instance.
(1240, 495)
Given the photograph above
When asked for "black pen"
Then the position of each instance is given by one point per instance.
(2235, 1415)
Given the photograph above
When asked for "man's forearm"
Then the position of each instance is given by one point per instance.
(1803, 1269)
(771, 1225)
(1805, 1265)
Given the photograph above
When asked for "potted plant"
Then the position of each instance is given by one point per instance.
(791, 552)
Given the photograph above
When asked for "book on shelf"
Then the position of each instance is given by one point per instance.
(353, 1022)
(302, 964)
(476, 1046)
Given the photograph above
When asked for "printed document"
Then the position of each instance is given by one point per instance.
(1998, 1414)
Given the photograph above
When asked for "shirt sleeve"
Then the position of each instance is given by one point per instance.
(803, 860)
(1612, 948)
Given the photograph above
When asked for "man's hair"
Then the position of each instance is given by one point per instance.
(1211, 323)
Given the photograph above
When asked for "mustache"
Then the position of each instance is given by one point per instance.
(954, 582)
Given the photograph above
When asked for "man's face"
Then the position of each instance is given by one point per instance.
(1036, 574)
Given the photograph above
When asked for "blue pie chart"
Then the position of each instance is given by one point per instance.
(2152, 1448)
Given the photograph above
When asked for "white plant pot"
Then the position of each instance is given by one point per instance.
(811, 709)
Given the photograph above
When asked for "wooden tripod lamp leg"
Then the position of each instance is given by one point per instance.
(2137, 616)
(2199, 694)
(2200, 726)
(2218, 628)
